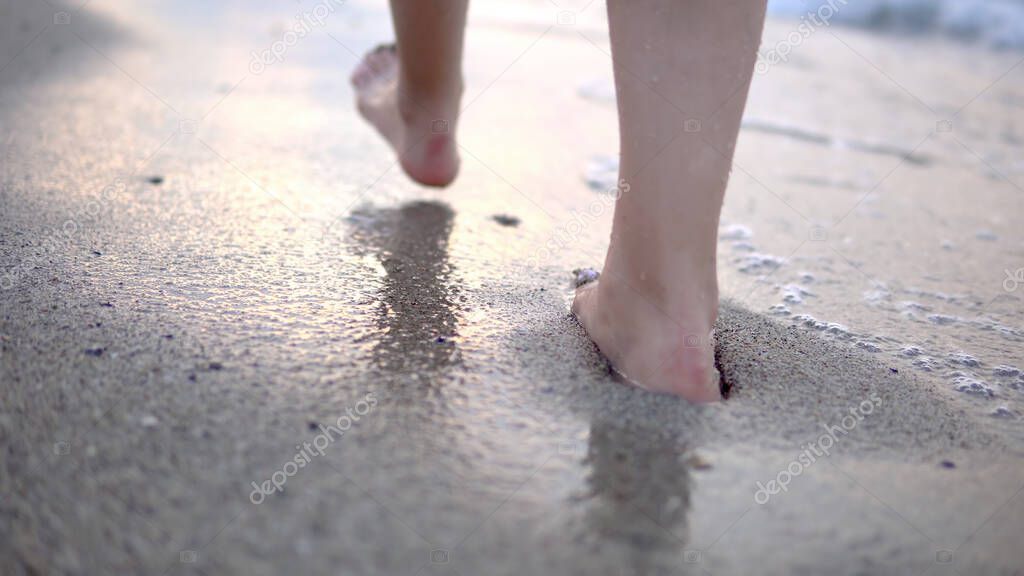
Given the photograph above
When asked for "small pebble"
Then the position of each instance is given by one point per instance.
(697, 462)
(506, 220)
(583, 276)
(149, 421)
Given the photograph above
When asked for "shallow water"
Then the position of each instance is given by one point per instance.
(994, 23)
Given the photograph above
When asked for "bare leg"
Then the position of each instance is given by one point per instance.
(410, 92)
(677, 64)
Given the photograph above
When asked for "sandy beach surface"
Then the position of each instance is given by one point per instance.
(234, 339)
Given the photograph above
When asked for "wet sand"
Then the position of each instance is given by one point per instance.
(186, 337)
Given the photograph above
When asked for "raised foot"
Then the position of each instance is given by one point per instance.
(647, 347)
(421, 131)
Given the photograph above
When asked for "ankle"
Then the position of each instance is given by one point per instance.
(435, 109)
(684, 294)
(673, 320)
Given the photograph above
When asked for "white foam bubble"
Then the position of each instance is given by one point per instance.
(757, 262)
(925, 363)
(915, 306)
(866, 345)
(735, 232)
(910, 351)
(942, 319)
(602, 173)
(1004, 371)
(952, 298)
(880, 293)
(836, 329)
(599, 90)
(809, 321)
(969, 384)
(794, 293)
(1007, 330)
(963, 359)
(1003, 412)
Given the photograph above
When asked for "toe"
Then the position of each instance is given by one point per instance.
(365, 72)
(373, 62)
(381, 61)
(360, 75)
(376, 64)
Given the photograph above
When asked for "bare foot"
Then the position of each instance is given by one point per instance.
(660, 346)
(420, 129)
